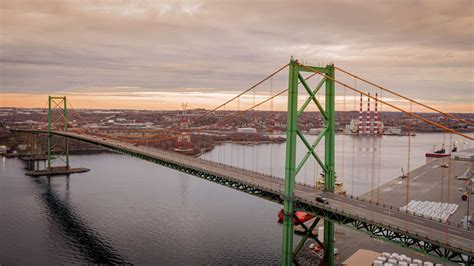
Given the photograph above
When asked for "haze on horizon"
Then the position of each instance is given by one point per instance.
(146, 54)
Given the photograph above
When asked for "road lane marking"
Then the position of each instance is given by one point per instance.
(455, 231)
(418, 221)
(459, 242)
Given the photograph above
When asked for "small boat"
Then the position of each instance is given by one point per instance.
(302, 217)
(455, 148)
(436, 155)
(439, 153)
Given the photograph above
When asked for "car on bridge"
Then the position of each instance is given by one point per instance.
(322, 200)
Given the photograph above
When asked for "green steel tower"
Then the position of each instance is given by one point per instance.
(291, 168)
(53, 103)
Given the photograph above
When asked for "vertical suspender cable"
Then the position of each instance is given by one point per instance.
(354, 141)
(239, 123)
(442, 169)
(254, 147)
(273, 127)
(342, 176)
(451, 147)
(408, 160)
(224, 136)
(379, 151)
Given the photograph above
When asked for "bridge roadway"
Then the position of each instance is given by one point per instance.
(425, 230)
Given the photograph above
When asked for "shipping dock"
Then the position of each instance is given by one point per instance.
(440, 180)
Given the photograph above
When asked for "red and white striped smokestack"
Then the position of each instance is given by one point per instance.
(367, 121)
(360, 116)
(376, 118)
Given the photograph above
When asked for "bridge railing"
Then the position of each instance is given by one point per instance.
(397, 209)
(443, 241)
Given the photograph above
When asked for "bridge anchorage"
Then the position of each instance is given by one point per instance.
(56, 106)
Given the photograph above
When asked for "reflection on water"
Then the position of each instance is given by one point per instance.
(129, 210)
(88, 241)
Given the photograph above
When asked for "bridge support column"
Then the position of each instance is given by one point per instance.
(63, 123)
(329, 157)
(50, 118)
(52, 104)
(66, 122)
(291, 168)
(290, 165)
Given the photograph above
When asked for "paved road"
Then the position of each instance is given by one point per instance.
(390, 218)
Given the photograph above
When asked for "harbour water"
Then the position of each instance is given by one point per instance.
(362, 163)
(130, 211)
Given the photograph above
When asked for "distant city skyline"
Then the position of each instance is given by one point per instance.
(143, 54)
(161, 102)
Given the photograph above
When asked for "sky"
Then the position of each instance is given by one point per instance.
(150, 54)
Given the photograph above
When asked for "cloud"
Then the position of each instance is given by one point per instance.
(415, 47)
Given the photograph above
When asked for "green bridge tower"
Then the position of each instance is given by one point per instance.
(57, 103)
(292, 169)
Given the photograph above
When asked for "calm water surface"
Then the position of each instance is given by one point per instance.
(128, 210)
(362, 163)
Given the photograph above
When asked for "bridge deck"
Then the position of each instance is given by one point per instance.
(427, 230)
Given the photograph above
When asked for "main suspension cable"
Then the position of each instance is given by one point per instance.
(239, 113)
(389, 104)
(235, 97)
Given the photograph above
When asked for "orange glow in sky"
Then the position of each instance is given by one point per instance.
(172, 101)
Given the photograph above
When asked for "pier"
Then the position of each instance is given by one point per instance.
(59, 170)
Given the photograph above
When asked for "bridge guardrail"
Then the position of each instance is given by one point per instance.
(383, 225)
(457, 225)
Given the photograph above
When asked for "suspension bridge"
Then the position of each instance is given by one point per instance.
(437, 238)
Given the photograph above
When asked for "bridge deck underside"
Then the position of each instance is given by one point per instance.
(425, 235)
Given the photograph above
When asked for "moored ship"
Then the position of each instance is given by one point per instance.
(441, 152)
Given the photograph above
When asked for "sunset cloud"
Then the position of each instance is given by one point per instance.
(423, 49)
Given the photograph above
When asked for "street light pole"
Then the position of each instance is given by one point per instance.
(469, 192)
